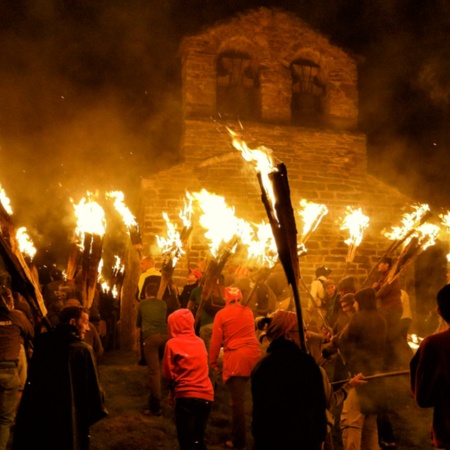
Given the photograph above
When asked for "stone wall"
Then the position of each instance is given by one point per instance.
(323, 167)
(274, 39)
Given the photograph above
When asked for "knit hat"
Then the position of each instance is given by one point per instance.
(232, 294)
(329, 282)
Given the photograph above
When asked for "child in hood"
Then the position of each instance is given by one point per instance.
(186, 370)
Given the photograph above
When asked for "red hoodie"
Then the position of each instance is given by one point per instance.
(186, 359)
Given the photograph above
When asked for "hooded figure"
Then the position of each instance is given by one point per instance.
(186, 370)
(62, 397)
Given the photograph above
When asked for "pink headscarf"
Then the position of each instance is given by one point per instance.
(232, 294)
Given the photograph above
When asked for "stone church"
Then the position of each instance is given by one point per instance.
(285, 87)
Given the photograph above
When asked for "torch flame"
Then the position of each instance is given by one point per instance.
(263, 250)
(26, 245)
(90, 218)
(220, 222)
(172, 244)
(262, 157)
(409, 222)
(4, 200)
(445, 220)
(355, 222)
(186, 213)
(118, 266)
(427, 234)
(105, 287)
(127, 216)
(312, 214)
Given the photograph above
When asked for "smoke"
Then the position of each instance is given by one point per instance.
(91, 94)
(90, 102)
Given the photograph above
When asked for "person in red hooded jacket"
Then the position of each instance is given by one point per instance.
(186, 370)
(234, 328)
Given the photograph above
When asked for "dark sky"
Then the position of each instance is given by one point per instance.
(90, 93)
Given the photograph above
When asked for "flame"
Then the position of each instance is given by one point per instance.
(4, 200)
(262, 157)
(118, 266)
(115, 292)
(312, 214)
(172, 244)
(445, 220)
(186, 213)
(414, 341)
(427, 234)
(99, 271)
(220, 222)
(263, 249)
(105, 287)
(26, 245)
(90, 218)
(356, 222)
(409, 221)
(127, 216)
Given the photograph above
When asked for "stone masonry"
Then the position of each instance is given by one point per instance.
(325, 165)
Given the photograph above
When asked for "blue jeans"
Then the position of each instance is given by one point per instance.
(9, 387)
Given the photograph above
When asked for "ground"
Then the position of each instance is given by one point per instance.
(124, 383)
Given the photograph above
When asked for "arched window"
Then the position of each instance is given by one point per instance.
(237, 91)
(307, 93)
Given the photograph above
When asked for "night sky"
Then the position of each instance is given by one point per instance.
(90, 94)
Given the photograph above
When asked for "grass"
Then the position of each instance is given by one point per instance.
(125, 385)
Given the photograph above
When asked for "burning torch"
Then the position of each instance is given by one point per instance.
(275, 195)
(128, 219)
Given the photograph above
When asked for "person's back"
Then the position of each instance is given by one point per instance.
(288, 392)
(430, 374)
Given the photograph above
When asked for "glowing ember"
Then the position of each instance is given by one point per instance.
(261, 157)
(4, 200)
(355, 222)
(90, 218)
(127, 216)
(26, 245)
(414, 341)
(409, 221)
(312, 214)
(172, 244)
(220, 221)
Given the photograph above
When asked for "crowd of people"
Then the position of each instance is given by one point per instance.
(190, 342)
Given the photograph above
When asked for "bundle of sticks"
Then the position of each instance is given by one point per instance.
(21, 278)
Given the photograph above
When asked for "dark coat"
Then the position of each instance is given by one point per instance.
(288, 400)
(430, 382)
(363, 347)
(62, 397)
